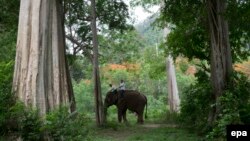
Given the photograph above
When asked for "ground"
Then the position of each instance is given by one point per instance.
(145, 132)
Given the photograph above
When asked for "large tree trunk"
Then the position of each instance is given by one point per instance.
(41, 77)
(221, 59)
(100, 118)
(173, 96)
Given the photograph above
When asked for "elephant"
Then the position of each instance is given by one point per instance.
(131, 100)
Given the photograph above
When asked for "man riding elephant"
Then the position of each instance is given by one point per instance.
(122, 88)
(132, 100)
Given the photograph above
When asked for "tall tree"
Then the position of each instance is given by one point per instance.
(221, 58)
(97, 84)
(199, 29)
(173, 95)
(110, 14)
(41, 77)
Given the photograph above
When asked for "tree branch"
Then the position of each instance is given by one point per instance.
(84, 47)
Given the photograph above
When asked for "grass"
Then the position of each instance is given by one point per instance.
(146, 132)
(162, 128)
(164, 134)
(154, 129)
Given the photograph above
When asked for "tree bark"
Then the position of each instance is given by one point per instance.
(100, 118)
(173, 96)
(41, 77)
(221, 58)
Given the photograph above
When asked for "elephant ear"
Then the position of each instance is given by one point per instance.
(115, 97)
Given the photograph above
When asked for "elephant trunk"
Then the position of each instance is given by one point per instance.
(105, 110)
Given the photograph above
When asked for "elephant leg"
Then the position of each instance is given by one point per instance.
(124, 115)
(140, 118)
(119, 116)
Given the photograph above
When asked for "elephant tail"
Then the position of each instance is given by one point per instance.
(146, 108)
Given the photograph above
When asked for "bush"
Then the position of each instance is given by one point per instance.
(195, 106)
(57, 125)
(234, 106)
(83, 92)
(242, 92)
(196, 103)
(16, 120)
(6, 97)
(156, 108)
(30, 125)
(60, 125)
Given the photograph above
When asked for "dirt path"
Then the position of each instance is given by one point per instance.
(122, 134)
(153, 125)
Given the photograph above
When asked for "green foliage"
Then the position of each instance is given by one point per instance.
(60, 125)
(156, 107)
(145, 3)
(234, 107)
(146, 132)
(57, 125)
(7, 43)
(116, 47)
(6, 76)
(113, 124)
(111, 15)
(189, 37)
(188, 23)
(151, 35)
(191, 44)
(26, 122)
(195, 106)
(241, 89)
(165, 133)
(156, 70)
(112, 120)
(183, 67)
(197, 103)
(229, 115)
(84, 96)
(238, 15)
(114, 13)
(7, 100)
(79, 68)
(120, 47)
(6, 103)
(171, 118)
(183, 82)
(116, 76)
(9, 10)
(30, 125)
(8, 29)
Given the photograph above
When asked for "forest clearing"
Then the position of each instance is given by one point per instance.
(124, 70)
(147, 132)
